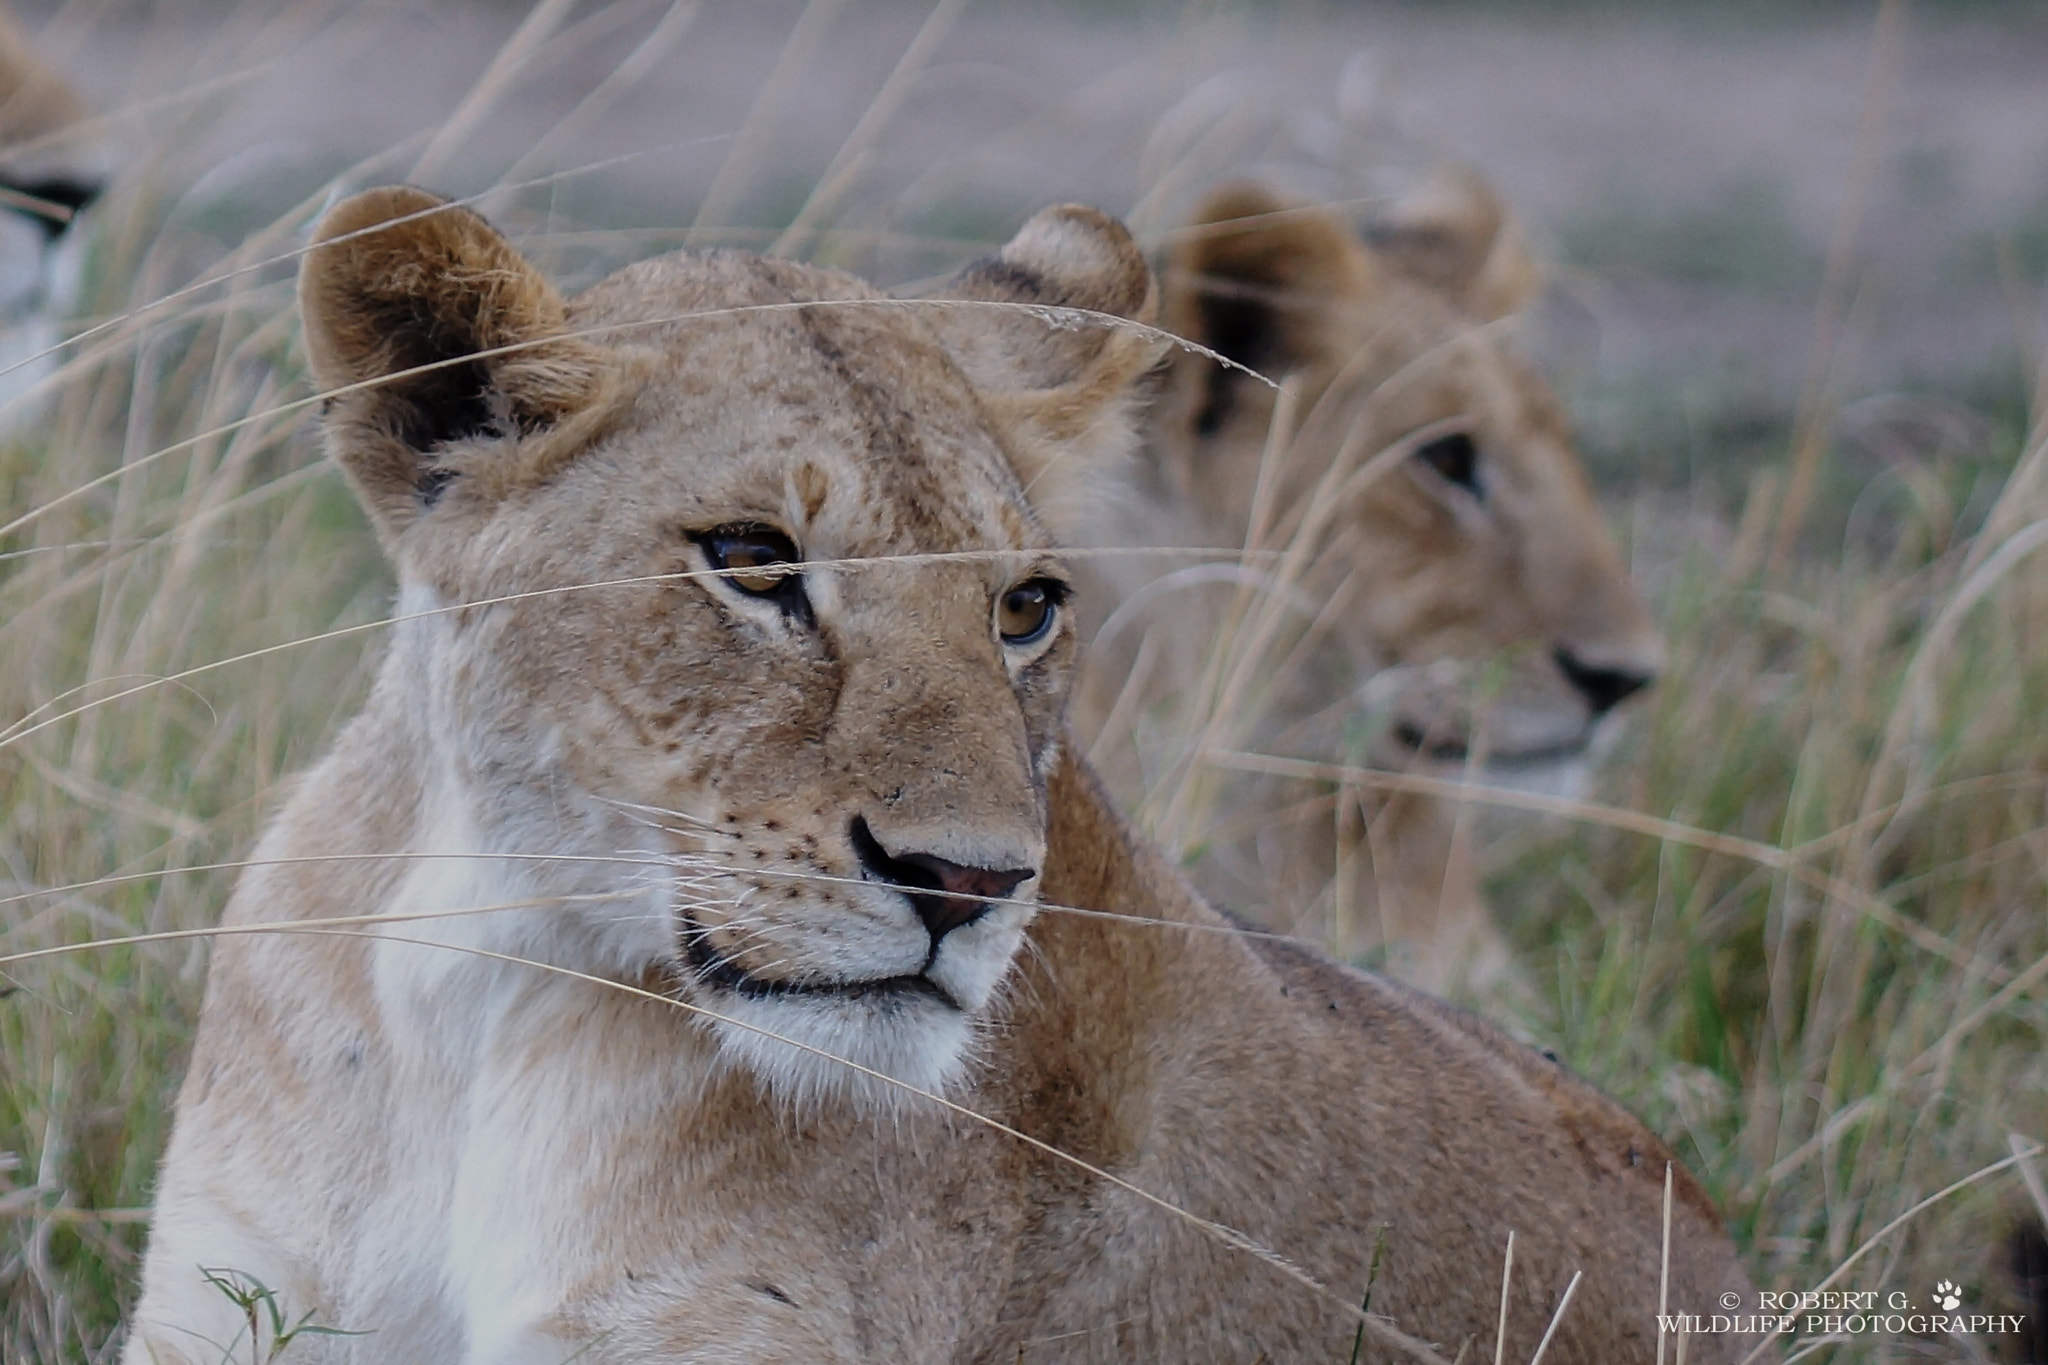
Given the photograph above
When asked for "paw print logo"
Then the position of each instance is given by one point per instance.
(1947, 1297)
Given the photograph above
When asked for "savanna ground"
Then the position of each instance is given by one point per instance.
(1797, 313)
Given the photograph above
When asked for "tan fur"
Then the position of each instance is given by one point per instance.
(36, 101)
(477, 1160)
(1402, 592)
(1456, 236)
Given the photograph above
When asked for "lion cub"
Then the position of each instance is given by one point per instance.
(1430, 584)
(712, 815)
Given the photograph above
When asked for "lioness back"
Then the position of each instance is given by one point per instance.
(706, 945)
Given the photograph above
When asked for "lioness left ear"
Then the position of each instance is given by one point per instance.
(1456, 235)
(400, 287)
(1061, 383)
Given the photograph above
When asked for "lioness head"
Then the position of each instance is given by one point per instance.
(748, 566)
(1455, 541)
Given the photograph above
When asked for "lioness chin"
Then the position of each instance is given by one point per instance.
(720, 735)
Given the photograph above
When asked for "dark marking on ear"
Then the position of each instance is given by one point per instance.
(1241, 329)
(450, 402)
(447, 405)
(1006, 277)
(1253, 282)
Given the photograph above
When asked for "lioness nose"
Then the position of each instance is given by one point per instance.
(945, 894)
(964, 892)
(1603, 688)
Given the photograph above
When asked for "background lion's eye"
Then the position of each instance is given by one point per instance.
(1025, 612)
(1456, 460)
(740, 548)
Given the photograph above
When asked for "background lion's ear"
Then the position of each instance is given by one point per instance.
(1063, 385)
(399, 279)
(1253, 278)
(1456, 235)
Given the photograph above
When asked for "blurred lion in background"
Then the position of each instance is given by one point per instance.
(48, 175)
(1428, 584)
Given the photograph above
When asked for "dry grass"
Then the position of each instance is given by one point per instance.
(1838, 1033)
(1836, 1019)
(218, 533)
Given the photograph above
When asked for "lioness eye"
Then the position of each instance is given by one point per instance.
(1025, 613)
(1455, 459)
(740, 548)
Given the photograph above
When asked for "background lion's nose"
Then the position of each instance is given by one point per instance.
(945, 894)
(1604, 688)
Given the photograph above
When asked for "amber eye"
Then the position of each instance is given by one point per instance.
(1025, 613)
(743, 548)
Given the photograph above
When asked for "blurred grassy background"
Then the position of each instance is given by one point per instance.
(1782, 237)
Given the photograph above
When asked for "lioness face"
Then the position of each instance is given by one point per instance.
(1466, 563)
(780, 610)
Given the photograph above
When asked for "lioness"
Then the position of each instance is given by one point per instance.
(1430, 580)
(714, 789)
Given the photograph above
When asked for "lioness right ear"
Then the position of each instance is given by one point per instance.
(399, 287)
(1063, 384)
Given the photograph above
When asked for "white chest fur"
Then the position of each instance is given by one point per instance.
(504, 1092)
(500, 1167)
